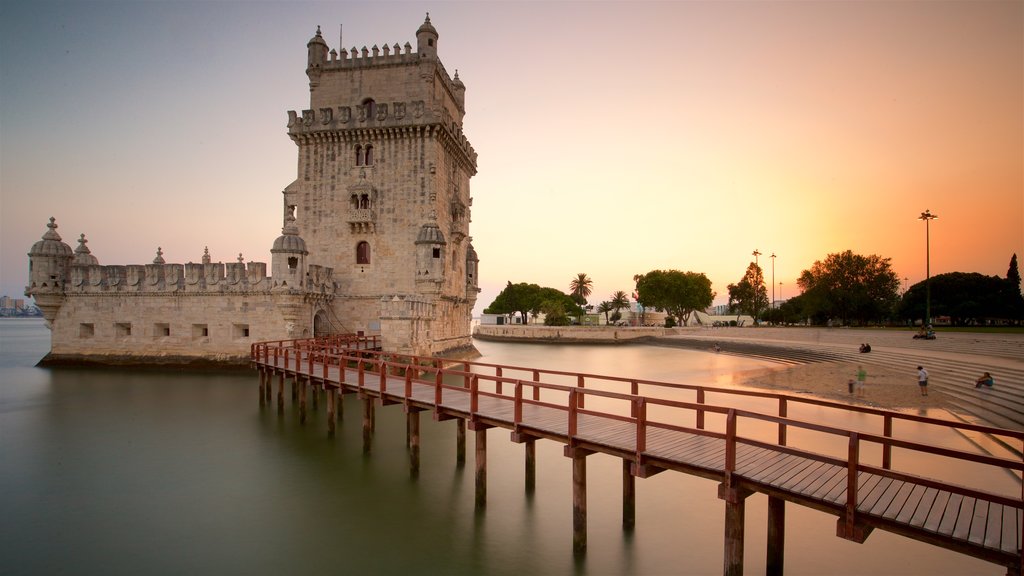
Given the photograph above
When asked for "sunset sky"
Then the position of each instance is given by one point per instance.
(614, 138)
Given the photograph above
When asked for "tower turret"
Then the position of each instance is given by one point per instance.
(48, 263)
(460, 92)
(430, 258)
(316, 50)
(83, 256)
(426, 40)
(288, 265)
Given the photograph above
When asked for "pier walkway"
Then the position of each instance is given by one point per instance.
(861, 464)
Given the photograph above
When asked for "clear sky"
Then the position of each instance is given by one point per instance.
(614, 138)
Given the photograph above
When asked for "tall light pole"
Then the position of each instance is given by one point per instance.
(927, 216)
(773, 281)
(757, 270)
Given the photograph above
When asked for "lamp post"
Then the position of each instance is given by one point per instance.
(927, 216)
(773, 281)
(757, 276)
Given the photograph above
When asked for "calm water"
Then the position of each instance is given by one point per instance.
(133, 472)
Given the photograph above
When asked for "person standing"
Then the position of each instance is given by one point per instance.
(862, 377)
(922, 380)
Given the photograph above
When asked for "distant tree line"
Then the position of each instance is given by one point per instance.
(844, 288)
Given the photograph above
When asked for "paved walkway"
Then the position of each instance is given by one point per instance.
(953, 360)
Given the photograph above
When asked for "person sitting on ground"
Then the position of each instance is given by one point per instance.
(865, 347)
(985, 380)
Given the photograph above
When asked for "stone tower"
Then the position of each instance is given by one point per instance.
(382, 194)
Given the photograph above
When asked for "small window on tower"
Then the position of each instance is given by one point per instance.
(371, 108)
(359, 155)
(437, 253)
(293, 262)
(369, 156)
(363, 253)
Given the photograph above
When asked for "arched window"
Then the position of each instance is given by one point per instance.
(363, 253)
(364, 201)
(293, 262)
(355, 201)
(359, 155)
(369, 156)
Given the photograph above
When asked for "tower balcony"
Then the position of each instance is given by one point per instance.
(362, 221)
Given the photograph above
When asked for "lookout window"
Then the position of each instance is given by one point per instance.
(363, 253)
(371, 108)
(368, 156)
(86, 330)
(160, 330)
(437, 253)
(293, 262)
(359, 155)
(123, 329)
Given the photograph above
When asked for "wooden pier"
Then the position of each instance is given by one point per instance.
(873, 481)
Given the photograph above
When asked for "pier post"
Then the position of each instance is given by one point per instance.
(302, 400)
(628, 495)
(269, 389)
(367, 423)
(735, 508)
(315, 389)
(295, 387)
(579, 497)
(460, 442)
(412, 421)
(776, 536)
(531, 465)
(481, 467)
(262, 384)
(280, 393)
(332, 401)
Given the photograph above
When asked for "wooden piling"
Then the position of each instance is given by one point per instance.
(332, 401)
(412, 420)
(481, 466)
(367, 424)
(531, 465)
(628, 495)
(460, 442)
(776, 536)
(262, 386)
(280, 393)
(579, 501)
(302, 400)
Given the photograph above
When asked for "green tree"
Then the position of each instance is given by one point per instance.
(524, 299)
(619, 300)
(604, 308)
(580, 288)
(850, 287)
(1013, 273)
(749, 295)
(674, 292)
(965, 297)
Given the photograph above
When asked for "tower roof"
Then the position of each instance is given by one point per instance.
(83, 256)
(317, 39)
(51, 244)
(427, 27)
(430, 234)
(289, 240)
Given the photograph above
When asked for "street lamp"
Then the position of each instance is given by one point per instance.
(927, 216)
(773, 281)
(757, 269)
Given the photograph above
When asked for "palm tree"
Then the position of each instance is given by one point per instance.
(605, 308)
(619, 301)
(579, 288)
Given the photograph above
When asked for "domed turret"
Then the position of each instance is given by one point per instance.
(48, 261)
(460, 91)
(83, 256)
(316, 50)
(426, 40)
(288, 265)
(430, 257)
(471, 264)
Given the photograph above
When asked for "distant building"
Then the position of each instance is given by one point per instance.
(375, 235)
